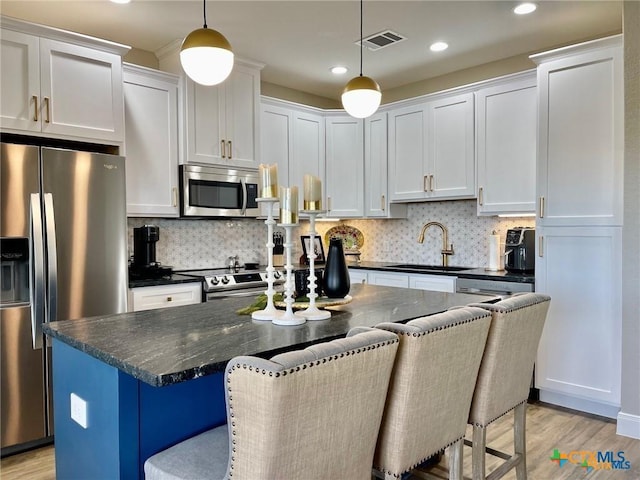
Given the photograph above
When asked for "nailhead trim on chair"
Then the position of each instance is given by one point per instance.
(435, 329)
(292, 370)
(492, 307)
(499, 416)
(424, 459)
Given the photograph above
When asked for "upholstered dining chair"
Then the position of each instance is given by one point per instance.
(306, 414)
(430, 390)
(505, 378)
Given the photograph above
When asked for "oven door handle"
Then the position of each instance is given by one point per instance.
(244, 197)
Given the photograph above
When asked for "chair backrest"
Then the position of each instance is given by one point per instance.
(507, 365)
(312, 413)
(431, 386)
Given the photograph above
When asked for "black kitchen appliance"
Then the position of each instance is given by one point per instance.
(144, 265)
(519, 250)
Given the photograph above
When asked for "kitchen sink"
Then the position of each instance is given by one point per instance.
(433, 268)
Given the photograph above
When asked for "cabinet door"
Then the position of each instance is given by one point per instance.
(151, 142)
(407, 153)
(81, 92)
(204, 118)
(242, 112)
(580, 154)
(436, 283)
(388, 279)
(345, 167)
(579, 352)
(357, 276)
(151, 298)
(308, 149)
(450, 164)
(375, 166)
(506, 121)
(20, 79)
(276, 144)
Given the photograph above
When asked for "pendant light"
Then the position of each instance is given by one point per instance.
(361, 96)
(206, 55)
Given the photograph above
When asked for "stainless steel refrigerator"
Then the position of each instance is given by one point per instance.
(64, 256)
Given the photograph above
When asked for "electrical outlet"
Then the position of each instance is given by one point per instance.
(79, 410)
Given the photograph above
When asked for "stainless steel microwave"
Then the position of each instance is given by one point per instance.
(218, 192)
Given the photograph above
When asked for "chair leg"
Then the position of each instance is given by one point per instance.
(455, 460)
(478, 453)
(519, 439)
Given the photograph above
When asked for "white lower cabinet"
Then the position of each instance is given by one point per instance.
(161, 296)
(437, 283)
(357, 276)
(388, 279)
(579, 356)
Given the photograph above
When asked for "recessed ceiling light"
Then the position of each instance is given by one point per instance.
(338, 70)
(121, 1)
(525, 8)
(438, 47)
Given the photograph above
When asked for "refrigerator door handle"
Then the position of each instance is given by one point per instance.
(52, 258)
(36, 272)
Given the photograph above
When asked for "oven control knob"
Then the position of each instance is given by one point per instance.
(225, 280)
(276, 274)
(215, 281)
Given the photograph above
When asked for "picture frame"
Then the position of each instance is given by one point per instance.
(318, 248)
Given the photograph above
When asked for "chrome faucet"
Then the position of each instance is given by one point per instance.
(445, 251)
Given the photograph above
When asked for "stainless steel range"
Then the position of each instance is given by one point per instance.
(225, 282)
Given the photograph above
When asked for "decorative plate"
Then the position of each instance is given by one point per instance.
(321, 302)
(352, 238)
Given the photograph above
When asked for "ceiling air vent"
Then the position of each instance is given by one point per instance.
(381, 40)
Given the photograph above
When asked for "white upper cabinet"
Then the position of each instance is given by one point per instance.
(506, 126)
(222, 121)
(60, 84)
(376, 196)
(431, 149)
(308, 148)
(151, 142)
(580, 143)
(345, 166)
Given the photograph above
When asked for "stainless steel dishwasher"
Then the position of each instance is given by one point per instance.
(491, 287)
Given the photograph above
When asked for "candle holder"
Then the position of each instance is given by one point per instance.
(270, 312)
(288, 317)
(313, 312)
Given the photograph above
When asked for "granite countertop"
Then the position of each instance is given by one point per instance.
(477, 273)
(171, 345)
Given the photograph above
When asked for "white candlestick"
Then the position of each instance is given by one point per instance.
(268, 181)
(270, 312)
(313, 312)
(312, 199)
(289, 205)
(288, 317)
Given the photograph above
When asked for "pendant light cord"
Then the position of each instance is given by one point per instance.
(204, 12)
(361, 42)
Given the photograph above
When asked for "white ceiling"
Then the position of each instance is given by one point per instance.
(300, 40)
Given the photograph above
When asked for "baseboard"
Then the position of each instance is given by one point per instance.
(628, 425)
(580, 404)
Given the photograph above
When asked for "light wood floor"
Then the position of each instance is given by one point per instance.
(548, 428)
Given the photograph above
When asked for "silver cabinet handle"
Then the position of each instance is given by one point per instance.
(52, 257)
(541, 207)
(36, 273)
(480, 199)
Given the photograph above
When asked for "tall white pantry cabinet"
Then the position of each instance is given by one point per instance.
(579, 224)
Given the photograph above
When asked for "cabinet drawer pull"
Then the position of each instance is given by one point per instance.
(383, 204)
(540, 240)
(169, 299)
(35, 107)
(222, 149)
(230, 150)
(431, 183)
(480, 199)
(47, 107)
(174, 191)
(424, 183)
(541, 207)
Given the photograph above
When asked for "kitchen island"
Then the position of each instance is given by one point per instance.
(145, 380)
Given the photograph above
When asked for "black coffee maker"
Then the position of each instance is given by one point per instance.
(519, 250)
(144, 263)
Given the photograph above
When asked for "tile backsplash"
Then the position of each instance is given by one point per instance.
(186, 244)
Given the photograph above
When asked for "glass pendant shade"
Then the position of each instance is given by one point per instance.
(206, 56)
(361, 97)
